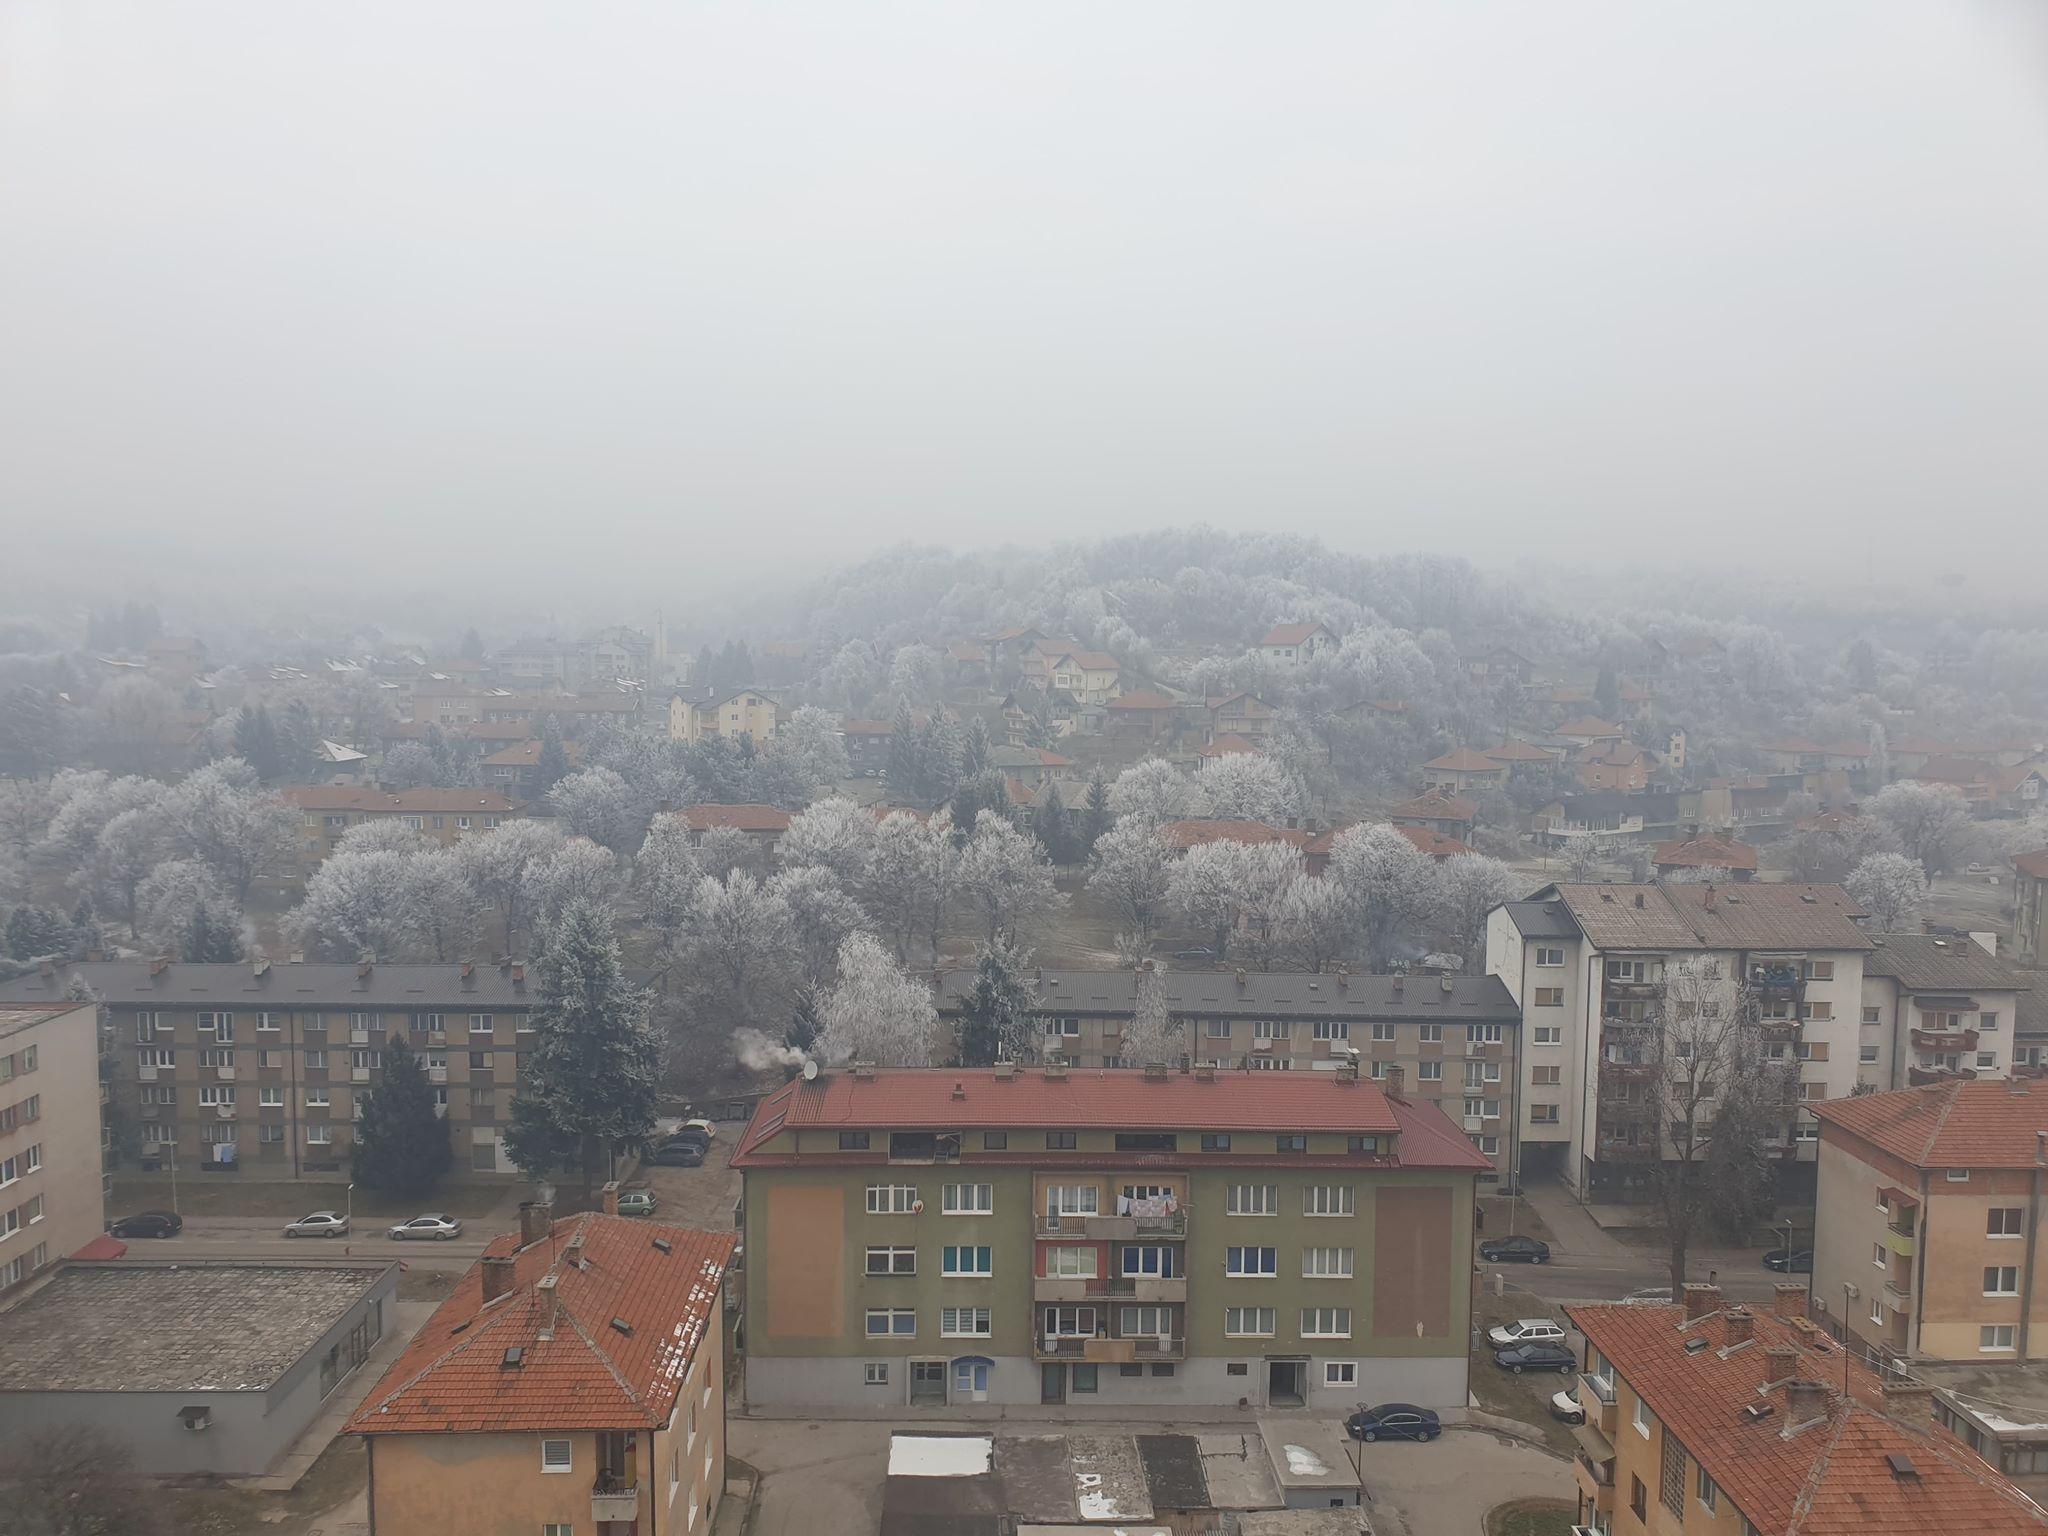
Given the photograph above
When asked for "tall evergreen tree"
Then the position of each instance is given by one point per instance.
(552, 766)
(1055, 828)
(996, 1026)
(587, 1086)
(210, 938)
(472, 645)
(298, 735)
(1097, 818)
(902, 773)
(401, 1144)
(1607, 694)
(974, 750)
(33, 932)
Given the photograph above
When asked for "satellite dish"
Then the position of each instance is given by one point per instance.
(810, 1071)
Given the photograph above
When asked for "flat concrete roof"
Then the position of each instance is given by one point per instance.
(2008, 1399)
(158, 1327)
(1308, 1453)
(1238, 1471)
(1350, 1521)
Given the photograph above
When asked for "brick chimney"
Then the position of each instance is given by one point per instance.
(1396, 1081)
(1780, 1361)
(1908, 1402)
(1805, 1402)
(1737, 1326)
(611, 1198)
(1788, 1299)
(1701, 1299)
(497, 1276)
(536, 1219)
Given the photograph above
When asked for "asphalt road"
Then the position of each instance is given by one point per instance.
(1568, 1279)
(246, 1237)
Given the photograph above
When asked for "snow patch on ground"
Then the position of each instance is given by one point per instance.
(1303, 1462)
(939, 1455)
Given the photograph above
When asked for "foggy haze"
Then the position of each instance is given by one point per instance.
(628, 296)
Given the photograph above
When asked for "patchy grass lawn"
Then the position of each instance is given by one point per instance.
(232, 1195)
(1525, 1218)
(1525, 1397)
(417, 1284)
(216, 1509)
(1531, 1517)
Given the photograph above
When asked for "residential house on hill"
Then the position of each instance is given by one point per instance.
(1589, 728)
(1088, 677)
(574, 1380)
(1225, 746)
(1516, 755)
(1435, 844)
(1451, 815)
(1717, 855)
(763, 824)
(1461, 770)
(514, 769)
(750, 712)
(1607, 813)
(867, 745)
(1614, 765)
(1295, 645)
(1143, 714)
(1240, 714)
(327, 811)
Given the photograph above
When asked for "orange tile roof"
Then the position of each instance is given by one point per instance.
(1435, 844)
(1704, 852)
(1829, 1478)
(1141, 698)
(526, 754)
(1227, 745)
(748, 818)
(1436, 807)
(1519, 752)
(1290, 634)
(1588, 726)
(341, 797)
(452, 1378)
(1954, 1124)
(1464, 760)
(2034, 864)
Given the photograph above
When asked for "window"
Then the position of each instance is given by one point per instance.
(1060, 1141)
(1216, 1141)
(1326, 1322)
(1547, 997)
(877, 1373)
(1072, 1200)
(1083, 1378)
(1704, 1489)
(1873, 1015)
(1362, 1144)
(1248, 1322)
(1217, 1029)
(316, 1061)
(1328, 1200)
(1482, 1034)
(1550, 954)
(1643, 1419)
(1880, 1256)
(891, 1322)
(1383, 1032)
(1332, 1029)
(1275, 1064)
(557, 1455)
(1866, 1054)
(964, 1323)
(1070, 1263)
(1957, 1175)
(1251, 1263)
(2001, 1280)
(1252, 1200)
(892, 1261)
(1326, 1263)
(995, 1141)
(319, 1135)
(480, 1061)
(1063, 1026)
(1546, 1077)
(891, 1199)
(565, 1529)
(849, 1141)
(1987, 1058)
(1145, 1322)
(1543, 1114)
(967, 1260)
(1340, 1373)
(1150, 1260)
(1877, 1311)
(1548, 1034)
(1430, 1071)
(1638, 1498)
(1817, 1010)
(1270, 1029)
(316, 1098)
(1490, 1145)
(2004, 1221)
(1291, 1142)
(1988, 1022)
(1430, 1034)
(1069, 1322)
(968, 1200)
(1817, 970)
(1994, 1337)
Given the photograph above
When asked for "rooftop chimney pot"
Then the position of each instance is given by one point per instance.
(1788, 1299)
(1701, 1299)
(611, 1198)
(497, 1275)
(1805, 1402)
(536, 1220)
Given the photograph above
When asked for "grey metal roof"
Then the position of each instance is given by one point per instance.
(1542, 919)
(157, 1327)
(1261, 994)
(284, 984)
(1922, 960)
(1751, 915)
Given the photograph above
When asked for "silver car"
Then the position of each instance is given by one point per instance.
(319, 1224)
(440, 1228)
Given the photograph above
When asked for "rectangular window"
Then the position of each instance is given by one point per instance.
(1060, 1141)
(1252, 1200)
(2005, 1221)
(1548, 1034)
(1383, 1033)
(967, 1260)
(1340, 1373)
(1873, 1015)
(1429, 1071)
(1291, 1142)
(1326, 1263)
(2001, 1280)
(1328, 1200)
(1638, 1498)
(1156, 1261)
(1543, 1114)
(1704, 1489)
(1248, 1322)
(995, 1141)
(1643, 1419)
(1430, 1034)
(1877, 1310)
(891, 1199)
(1144, 1322)
(1546, 1077)
(849, 1141)
(1251, 1263)
(1362, 1145)
(1072, 1200)
(892, 1322)
(316, 1098)
(1332, 1029)
(969, 1200)
(1994, 1338)
(1215, 1141)
(1269, 1029)
(1482, 1034)
(892, 1261)
(1820, 970)
(965, 1323)
(319, 1135)
(1988, 1022)
(1070, 1263)
(1084, 1378)
(1866, 1054)
(877, 1373)
(1069, 1322)
(1063, 1026)
(316, 1061)
(1550, 954)
(1326, 1322)
(557, 1455)
(1547, 997)
(1217, 1029)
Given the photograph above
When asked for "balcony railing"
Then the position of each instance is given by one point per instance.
(1898, 1295)
(1899, 1240)
(611, 1499)
(1632, 989)
(1944, 1039)
(1919, 1077)
(1627, 1152)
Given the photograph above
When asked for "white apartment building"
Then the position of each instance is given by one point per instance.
(1587, 963)
(52, 1194)
(1935, 1008)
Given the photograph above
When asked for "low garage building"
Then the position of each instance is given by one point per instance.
(193, 1368)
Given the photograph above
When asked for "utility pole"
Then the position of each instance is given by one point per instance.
(1849, 1294)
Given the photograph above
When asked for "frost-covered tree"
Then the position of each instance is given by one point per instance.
(552, 765)
(1005, 877)
(166, 901)
(665, 874)
(1467, 888)
(917, 676)
(1891, 888)
(1249, 786)
(736, 950)
(851, 676)
(1390, 882)
(1153, 791)
(124, 853)
(578, 871)
(1316, 919)
(384, 834)
(354, 904)
(1269, 871)
(1153, 1035)
(913, 877)
(210, 939)
(80, 804)
(597, 803)
(222, 815)
(587, 1083)
(996, 1022)
(822, 912)
(442, 909)
(1930, 821)
(36, 932)
(810, 743)
(875, 1012)
(406, 765)
(497, 864)
(1224, 885)
(835, 834)
(721, 850)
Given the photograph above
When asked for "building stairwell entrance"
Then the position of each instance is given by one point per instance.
(1287, 1382)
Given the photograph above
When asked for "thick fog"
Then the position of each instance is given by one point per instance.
(629, 296)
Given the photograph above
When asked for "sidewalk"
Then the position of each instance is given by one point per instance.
(1574, 1228)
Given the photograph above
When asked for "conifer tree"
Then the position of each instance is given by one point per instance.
(401, 1143)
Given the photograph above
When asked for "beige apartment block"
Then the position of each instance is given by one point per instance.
(52, 1195)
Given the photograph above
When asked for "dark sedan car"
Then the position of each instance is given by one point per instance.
(1519, 1249)
(1393, 1421)
(678, 1154)
(1790, 1261)
(1536, 1357)
(149, 1224)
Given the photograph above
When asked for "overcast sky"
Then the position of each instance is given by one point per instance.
(642, 292)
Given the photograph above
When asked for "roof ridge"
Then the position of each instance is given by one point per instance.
(610, 1365)
(1817, 1469)
(1950, 1092)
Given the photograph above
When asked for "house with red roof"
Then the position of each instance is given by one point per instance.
(1014, 1234)
(1451, 815)
(1462, 770)
(1295, 645)
(1706, 852)
(1143, 714)
(1240, 714)
(574, 1380)
(763, 824)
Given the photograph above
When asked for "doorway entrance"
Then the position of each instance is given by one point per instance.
(1052, 1382)
(1286, 1383)
(970, 1379)
(928, 1383)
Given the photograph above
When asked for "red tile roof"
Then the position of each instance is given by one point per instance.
(914, 1098)
(1141, 698)
(1194, 832)
(1221, 701)
(1227, 745)
(1290, 634)
(1519, 752)
(748, 818)
(1435, 807)
(1956, 1124)
(341, 797)
(2034, 864)
(1092, 661)
(1435, 844)
(1953, 770)
(1829, 1478)
(526, 754)
(1704, 852)
(452, 1378)
(1464, 760)
(1589, 726)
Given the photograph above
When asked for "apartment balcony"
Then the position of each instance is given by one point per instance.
(1898, 1295)
(1635, 991)
(1919, 1077)
(1944, 1039)
(437, 1074)
(1626, 1152)
(1769, 980)
(152, 1111)
(1899, 1242)
(224, 1074)
(1107, 1351)
(1140, 1288)
(225, 1111)
(146, 1074)
(1784, 1031)
(1625, 1071)
(611, 1499)
(1596, 1396)
(1593, 1471)
(1099, 1228)
(359, 1074)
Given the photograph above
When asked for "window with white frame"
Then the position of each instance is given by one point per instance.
(1068, 1322)
(891, 1322)
(2001, 1280)
(319, 1135)
(1070, 1262)
(1326, 1263)
(1548, 1034)
(1483, 1034)
(967, 1260)
(965, 1323)
(1877, 1314)
(1332, 1029)
(1704, 1490)
(1995, 1338)
(891, 1199)
(557, 1455)
(1145, 1322)
(1430, 1034)
(2005, 1221)
(1068, 1027)
(1340, 1373)
(1429, 1071)
(1251, 1262)
(1326, 1322)
(1550, 955)
(1270, 1029)
(1252, 1200)
(1328, 1200)
(892, 1261)
(1644, 1420)
(968, 1200)
(1249, 1322)
(877, 1373)
(1073, 1200)
(1383, 1032)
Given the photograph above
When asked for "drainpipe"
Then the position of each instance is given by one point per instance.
(1920, 1246)
(291, 1103)
(651, 1477)
(1898, 1048)
(2033, 1226)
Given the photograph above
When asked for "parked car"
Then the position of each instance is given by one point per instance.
(1565, 1405)
(697, 1123)
(440, 1228)
(1536, 1357)
(1527, 1330)
(1519, 1249)
(319, 1224)
(1393, 1421)
(636, 1202)
(1198, 956)
(149, 1224)
(678, 1154)
(1790, 1261)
